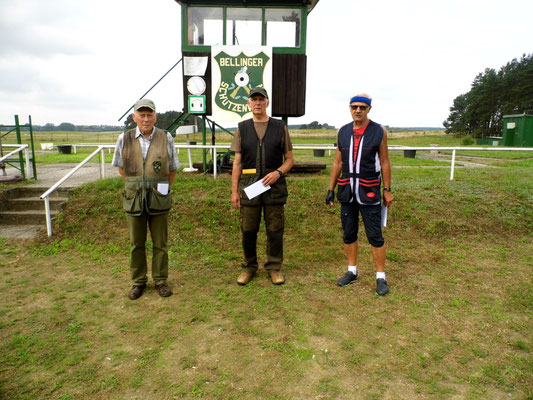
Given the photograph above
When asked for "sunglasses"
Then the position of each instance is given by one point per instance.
(362, 108)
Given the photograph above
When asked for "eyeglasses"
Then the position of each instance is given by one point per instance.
(362, 108)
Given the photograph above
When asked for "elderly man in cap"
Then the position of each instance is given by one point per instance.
(363, 158)
(263, 151)
(147, 161)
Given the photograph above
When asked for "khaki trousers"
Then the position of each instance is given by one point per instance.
(138, 229)
(250, 219)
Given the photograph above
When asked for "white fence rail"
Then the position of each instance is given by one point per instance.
(101, 150)
(45, 196)
(18, 149)
(455, 149)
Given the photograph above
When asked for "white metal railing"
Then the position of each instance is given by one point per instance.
(226, 146)
(214, 148)
(75, 146)
(45, 196)
(19, 148)
(455, 149)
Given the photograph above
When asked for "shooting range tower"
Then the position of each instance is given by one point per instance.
(231, 46)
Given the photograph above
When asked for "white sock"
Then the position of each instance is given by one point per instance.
(353, 269)
(380, 275)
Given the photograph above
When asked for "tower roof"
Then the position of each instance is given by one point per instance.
(251, 3)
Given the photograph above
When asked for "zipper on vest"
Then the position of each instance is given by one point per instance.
(261, 172)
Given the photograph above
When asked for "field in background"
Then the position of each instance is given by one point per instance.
(326, 137)
(456, 325)
(64, 137)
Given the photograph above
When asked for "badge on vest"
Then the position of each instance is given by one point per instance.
(157, 166)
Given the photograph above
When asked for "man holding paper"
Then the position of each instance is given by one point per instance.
(263, 156)
(147, 161)
(363, 158)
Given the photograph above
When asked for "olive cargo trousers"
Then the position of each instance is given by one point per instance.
(250, 219)
(138, 229)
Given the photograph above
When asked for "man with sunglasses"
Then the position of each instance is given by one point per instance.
(363, 158)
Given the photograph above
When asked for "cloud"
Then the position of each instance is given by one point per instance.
(40, 29)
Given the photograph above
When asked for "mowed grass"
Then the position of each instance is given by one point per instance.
(456, 324)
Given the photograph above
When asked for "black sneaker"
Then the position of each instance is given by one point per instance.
(382, 288)
(349, 277)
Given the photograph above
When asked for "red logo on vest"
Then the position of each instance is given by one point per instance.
(371, 194)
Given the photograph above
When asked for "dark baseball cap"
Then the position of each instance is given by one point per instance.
(259, 90)
(144, 103)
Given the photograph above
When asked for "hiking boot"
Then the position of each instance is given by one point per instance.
(164, 290)
(136, 292)
(244, 277)
(348, 278)
(382, 288)
(277, 277)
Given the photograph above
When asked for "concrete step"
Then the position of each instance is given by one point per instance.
(33, 203)
(32, 217)
(34, 191)
(21, 231)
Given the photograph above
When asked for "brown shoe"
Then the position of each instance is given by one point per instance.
(277, 277)
(164, 290)
(244, 277)
(136, 292)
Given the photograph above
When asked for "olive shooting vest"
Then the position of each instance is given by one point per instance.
(143, 175)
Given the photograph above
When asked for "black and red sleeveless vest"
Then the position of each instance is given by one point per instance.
(361, 167)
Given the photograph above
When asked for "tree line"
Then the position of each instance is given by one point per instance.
(69, 127)
(164, 120)
(316, 125)
(480, 111)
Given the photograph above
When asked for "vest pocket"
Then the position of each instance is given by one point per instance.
(344, 190)
(159, 202)
(278, 192)
(245, 181)
(132, 198)
(368, 190)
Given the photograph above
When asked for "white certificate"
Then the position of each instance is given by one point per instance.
(384, 215)
(255, 189)
(162, 188)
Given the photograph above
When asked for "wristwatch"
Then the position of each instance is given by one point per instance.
(386, 189)
(280, 173)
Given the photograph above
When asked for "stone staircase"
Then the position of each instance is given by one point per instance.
(22, 212)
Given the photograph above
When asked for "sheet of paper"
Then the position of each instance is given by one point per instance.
(194, 66)
(162, 188)
(256, 189)
(384, 215)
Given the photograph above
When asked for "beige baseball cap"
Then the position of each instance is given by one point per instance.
(144, 103)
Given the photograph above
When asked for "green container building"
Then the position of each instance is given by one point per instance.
(518, 130)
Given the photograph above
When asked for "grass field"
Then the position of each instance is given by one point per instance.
(409, 138)
(457, 323)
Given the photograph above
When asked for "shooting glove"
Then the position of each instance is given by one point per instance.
(330, 198)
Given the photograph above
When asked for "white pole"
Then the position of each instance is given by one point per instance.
(214, 163)
(48, 216)
(27, 156)
(453, 165)
(102, 163)
(189, 151)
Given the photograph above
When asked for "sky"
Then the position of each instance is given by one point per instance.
(87, 61)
